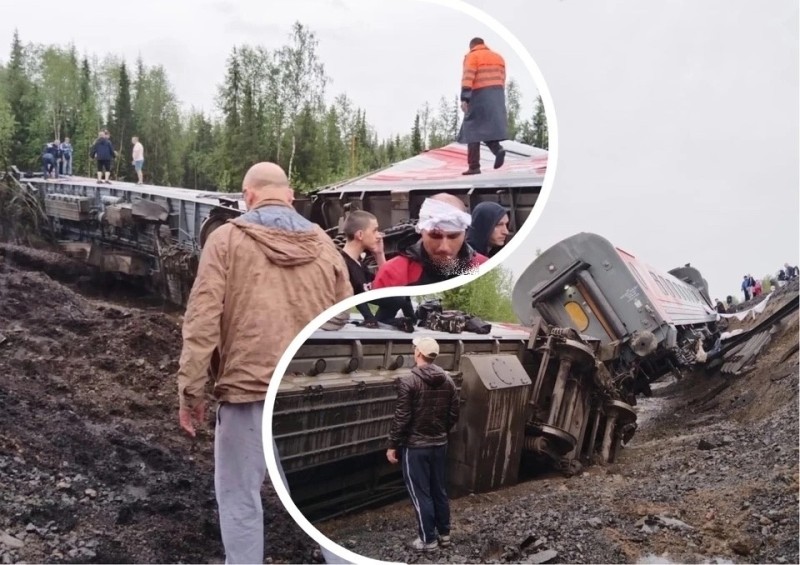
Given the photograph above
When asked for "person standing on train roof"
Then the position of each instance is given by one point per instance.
(489, 229)
(66, 157)
(137, 156)
(442, 252)
(483, 101)
(261, 279)
(427, 409)
(103, 152)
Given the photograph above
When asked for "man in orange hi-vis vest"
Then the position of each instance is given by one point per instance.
(483, 100)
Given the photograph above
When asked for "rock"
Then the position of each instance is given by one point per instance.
(139, 362)
(595, 523)
(90, 492)
(743, 545)
(30, 528)
(674, 523)
(705, 445)
(764, 521)
(691, 472)
(63, 485)
(7, 559)
(542, 557)
(10, 541)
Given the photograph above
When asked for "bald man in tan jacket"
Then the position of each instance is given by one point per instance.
(262, 278)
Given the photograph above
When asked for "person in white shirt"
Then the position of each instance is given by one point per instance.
(138, 157)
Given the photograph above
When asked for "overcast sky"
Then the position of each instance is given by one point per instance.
(678, 120)
(390, 57)
(678, 129)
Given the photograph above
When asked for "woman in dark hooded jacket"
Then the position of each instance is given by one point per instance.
(489, 228)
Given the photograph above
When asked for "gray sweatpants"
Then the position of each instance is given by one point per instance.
(239, 472)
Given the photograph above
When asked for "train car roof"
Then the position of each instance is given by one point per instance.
(440, 169)
(202, 196)
(352, 331)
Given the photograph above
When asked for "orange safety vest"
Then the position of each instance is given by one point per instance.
(483, 67)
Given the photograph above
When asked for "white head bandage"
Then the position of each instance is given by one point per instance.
(438, 215)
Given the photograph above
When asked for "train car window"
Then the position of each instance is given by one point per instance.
(659, 283)
(681, 291)
(638, 277)
(665, 284)
(577, 315)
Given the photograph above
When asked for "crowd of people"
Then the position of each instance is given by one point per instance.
(57, 158)
(753, 288)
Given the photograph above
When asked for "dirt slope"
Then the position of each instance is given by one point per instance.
(94, 466)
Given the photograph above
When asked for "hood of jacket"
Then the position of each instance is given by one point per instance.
(433, 375)
(286, 238)
(485, 217)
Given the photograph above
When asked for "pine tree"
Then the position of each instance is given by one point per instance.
(416, 137)
(122, 125)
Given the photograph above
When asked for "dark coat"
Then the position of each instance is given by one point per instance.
(102, 150)
(486, 118)
(427, 408)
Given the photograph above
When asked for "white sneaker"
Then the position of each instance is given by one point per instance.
(444, 541)
(419, 545)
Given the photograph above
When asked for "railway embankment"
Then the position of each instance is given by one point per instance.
(95, 468)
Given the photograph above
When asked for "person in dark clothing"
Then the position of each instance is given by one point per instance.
(363, 236)
(483, 101)
(427, 410)
(50, 160)
(489, 228)
(103, 152)
(720, 307)
(442, 252)
(791, 272)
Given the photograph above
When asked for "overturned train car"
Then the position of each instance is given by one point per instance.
(649, 323)
(556, 393)
(155, 234)
(527, 400)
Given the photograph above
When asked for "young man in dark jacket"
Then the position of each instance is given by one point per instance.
(489, 229)
(427, 409)
(363, 236)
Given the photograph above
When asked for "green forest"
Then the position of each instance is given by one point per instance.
(271, 105)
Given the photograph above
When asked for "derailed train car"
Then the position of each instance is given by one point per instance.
(648, 322)
(556, 393)
(155, 234)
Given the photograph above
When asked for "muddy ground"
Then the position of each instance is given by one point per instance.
(710, 476)
(94, 466)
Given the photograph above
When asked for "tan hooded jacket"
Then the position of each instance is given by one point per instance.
(262, 278)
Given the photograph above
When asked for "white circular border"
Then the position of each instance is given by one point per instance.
(517, 241)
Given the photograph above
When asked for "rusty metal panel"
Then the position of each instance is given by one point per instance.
(149, 210)
(486, 446)
(332, 417)
(119, 215)
(68, 207)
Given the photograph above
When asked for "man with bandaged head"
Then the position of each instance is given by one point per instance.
(442, 252)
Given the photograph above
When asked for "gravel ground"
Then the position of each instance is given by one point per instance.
(94, 467)
(711, 476)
